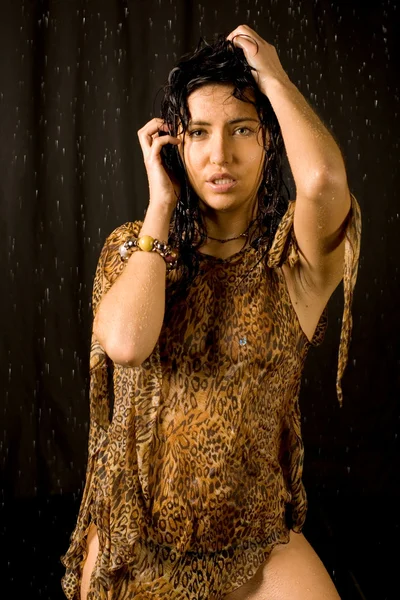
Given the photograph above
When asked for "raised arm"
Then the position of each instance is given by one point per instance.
(322, 194)
(130, 315)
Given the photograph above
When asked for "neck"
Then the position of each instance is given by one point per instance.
(227, 233)
(229, 237)
(225, 225)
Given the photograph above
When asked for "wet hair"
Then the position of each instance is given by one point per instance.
(220, 62)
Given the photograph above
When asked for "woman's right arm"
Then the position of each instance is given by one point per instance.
(129, 317)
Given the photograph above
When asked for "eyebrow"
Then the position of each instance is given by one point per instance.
(231, 122)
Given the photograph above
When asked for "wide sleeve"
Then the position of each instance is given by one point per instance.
(109, 267)
(284, 250)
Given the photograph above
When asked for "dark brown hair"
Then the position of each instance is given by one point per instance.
(220, 62)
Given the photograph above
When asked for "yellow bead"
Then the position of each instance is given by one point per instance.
(145, 243)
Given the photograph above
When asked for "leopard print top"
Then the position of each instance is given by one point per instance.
(199, 472)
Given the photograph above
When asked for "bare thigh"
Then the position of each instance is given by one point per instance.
(293, 571)
(92, 550)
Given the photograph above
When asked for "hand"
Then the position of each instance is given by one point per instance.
(164, 188)
(264, 59)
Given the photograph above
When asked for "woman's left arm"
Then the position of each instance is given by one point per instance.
(322, 193)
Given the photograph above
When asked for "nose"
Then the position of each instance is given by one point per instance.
(220, 149)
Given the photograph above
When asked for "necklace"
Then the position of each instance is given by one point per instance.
(224, 241)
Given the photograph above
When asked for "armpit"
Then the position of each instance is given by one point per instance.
(284, 250)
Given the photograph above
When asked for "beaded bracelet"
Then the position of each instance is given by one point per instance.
(148, 244)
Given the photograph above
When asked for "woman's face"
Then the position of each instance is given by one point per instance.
(223, 150)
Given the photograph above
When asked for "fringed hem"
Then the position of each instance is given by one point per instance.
(160, 572)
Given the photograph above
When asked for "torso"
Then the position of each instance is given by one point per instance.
(308, 301)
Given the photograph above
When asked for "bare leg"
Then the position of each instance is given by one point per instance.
(293, 571)
(92, 549)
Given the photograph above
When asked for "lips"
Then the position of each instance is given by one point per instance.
(221, 182)
(222, 187)
(221, 176)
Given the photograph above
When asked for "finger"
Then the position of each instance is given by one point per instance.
(239, 37)
(153, 152)
(247, 43)
(159, 142)
(245, 29)
(151, 127)
(164, 126)
(250, 30)
(238, 29)
(154, 136)
(162, 131)
(146, 133)
(152, 124)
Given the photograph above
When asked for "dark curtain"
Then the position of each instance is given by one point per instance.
(78, 78)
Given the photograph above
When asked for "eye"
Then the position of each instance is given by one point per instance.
(243, 130)
(196, 133)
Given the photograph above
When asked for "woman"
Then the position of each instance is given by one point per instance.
(194, 488)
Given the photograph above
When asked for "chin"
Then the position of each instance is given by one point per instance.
(219, 204)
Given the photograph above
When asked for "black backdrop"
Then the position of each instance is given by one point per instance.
(78, 78)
